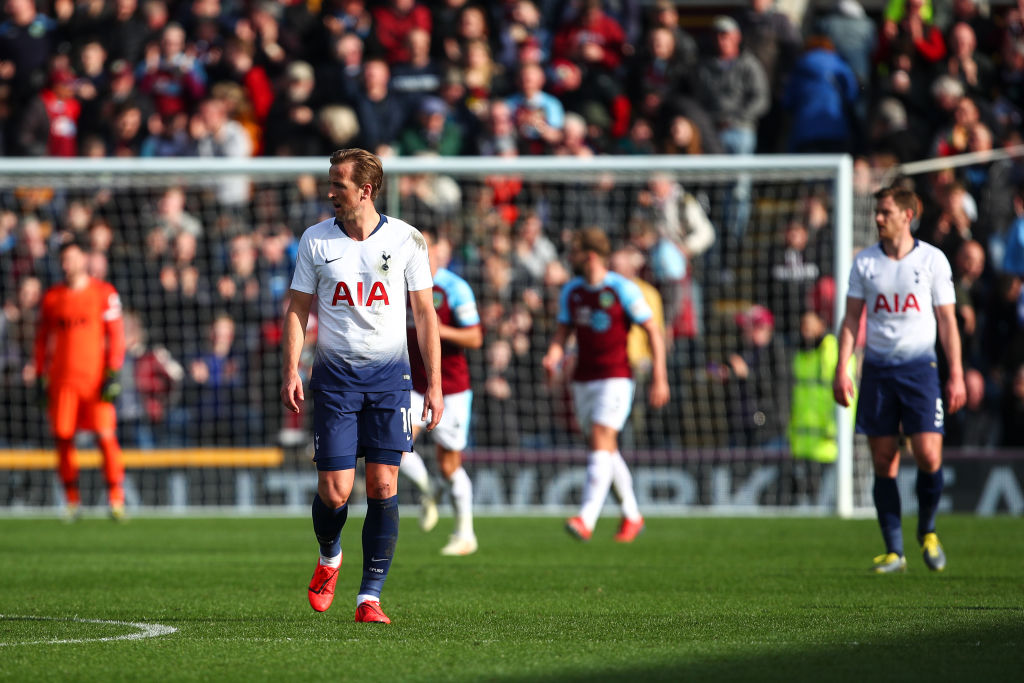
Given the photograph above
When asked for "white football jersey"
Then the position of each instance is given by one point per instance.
(361, 287)
(900, 297)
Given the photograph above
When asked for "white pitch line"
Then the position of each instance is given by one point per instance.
(144, 630)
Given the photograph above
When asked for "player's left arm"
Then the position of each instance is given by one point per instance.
(471, 337)
(659, 391)
(949, 336)
(113, 333)
(429, 339)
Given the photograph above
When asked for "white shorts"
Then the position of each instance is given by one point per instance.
(452, 432)
(606, 402)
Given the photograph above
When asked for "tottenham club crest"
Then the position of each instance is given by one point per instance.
(385, 258)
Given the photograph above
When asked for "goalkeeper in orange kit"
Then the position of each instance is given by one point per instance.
(78, 354)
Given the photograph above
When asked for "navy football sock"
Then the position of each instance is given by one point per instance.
(327, 524)
(887, 504)
(929, 491)
(380, 534)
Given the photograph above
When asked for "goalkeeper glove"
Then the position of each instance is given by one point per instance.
(111, 387)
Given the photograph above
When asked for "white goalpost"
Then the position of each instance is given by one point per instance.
(203, 247)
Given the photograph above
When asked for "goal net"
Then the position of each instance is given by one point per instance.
(743, 252)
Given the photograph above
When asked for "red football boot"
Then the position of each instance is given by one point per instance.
(576, 527)
(321, 587)
(369, 613)
(629, 530)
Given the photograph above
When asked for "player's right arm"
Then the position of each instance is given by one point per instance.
(556, 350)
(293, 340)
(842, 383)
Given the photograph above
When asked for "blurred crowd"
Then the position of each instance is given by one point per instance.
(234, 78)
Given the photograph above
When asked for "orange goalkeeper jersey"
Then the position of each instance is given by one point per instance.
(80, 335)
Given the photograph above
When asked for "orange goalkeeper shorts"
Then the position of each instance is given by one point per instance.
(73, 408)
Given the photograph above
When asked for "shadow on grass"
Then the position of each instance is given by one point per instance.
(990, 652)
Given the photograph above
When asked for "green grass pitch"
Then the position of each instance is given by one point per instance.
(700, 599)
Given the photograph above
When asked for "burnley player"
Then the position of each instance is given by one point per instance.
(459, 326)
(360, 265)
(599, 307)
(906, 286)
(79, 350)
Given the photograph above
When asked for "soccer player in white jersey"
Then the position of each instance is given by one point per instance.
(599, 307)
(360, 265)
(459, 325)
(906, 287)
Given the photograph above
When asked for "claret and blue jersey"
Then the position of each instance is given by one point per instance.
(455, 306)
(601, 316)
(361, 287)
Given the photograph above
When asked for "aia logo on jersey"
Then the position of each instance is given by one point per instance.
(897, 304)
(364, 296)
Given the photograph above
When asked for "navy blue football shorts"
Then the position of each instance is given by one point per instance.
(907, 394)
(374, 425)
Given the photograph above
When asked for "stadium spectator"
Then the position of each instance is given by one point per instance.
(382, 113)
(171, 74)
(471, 25)
(522, 25)
(950, 225)
(973, 69)
(660, 72)
(125, 33)
(597, 308)
(217, 390)
(771, 38)
(915, 35)
(854, 36)
(151, 380)
(292, 128)
(79, 350)
(793, 272)
(433, 131)
(665, 14)
(532, 251)
(392, 23)
(538, 115)
(19, 319)
(820, 97)
(594, 40)
(28, 40)
(419, 75)
(733, 87)
(812, 424)
(172, 217)
(499, 136)
(347, 17)
(216, 135)
(756, 374)
(239, 66)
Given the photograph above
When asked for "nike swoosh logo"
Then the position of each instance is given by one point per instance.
(330, 260)
(378, 559)
(321, 588)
